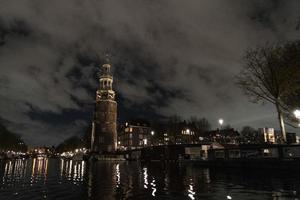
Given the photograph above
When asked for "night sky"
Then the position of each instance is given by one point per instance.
(169, 57)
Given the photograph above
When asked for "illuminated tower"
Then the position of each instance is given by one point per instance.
(104, 136)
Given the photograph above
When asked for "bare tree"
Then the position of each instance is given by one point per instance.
(250, 135)
(174, 128)
(200, 125)
(291, 103)
(292, 100)
(270, 74)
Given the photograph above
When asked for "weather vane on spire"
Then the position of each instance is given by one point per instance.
(107, 58)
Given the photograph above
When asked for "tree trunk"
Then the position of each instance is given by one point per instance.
(281, 122)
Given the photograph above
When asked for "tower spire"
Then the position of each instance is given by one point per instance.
(105, 91)
(107, 58)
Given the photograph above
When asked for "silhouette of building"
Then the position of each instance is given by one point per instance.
(104, 128)
(291, 138)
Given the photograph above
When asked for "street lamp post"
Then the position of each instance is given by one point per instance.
(188, 133)
(221, 121)
(152, 139)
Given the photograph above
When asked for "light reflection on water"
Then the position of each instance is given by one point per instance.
(145, 173)
(153, 187)
(43, 178)
(72, 170)
(191, 192)
(14, 171)
(39, 170)
(152, 184)
(118, 175)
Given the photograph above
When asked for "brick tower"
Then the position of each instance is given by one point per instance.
(104, 133)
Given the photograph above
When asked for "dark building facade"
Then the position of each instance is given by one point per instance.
(134, 135)
(291, 138)
(104, 131)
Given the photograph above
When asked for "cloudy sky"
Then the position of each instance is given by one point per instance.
(169, 57)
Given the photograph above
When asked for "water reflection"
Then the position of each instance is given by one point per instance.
(191, 192)
(153, 187)
(145, 173)
(118, 175)
(14, 171)
(66, 179)
(39, 169)
(72, 170)
(104, 180)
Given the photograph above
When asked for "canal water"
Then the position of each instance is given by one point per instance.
(58, 179)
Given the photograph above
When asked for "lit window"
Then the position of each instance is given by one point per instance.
(145, 141)
(188, 131)
(266, 151)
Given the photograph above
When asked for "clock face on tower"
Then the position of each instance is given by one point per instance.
(111, 96)
(105, 95)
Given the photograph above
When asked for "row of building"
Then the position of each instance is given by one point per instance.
(139, 134)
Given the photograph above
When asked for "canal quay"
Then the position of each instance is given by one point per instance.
(61, 179)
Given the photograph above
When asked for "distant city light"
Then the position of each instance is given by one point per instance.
(152, 132)
(221, 121)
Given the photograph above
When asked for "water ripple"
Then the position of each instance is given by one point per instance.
(43, 178)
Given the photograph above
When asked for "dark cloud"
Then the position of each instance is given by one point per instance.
(170, 57)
